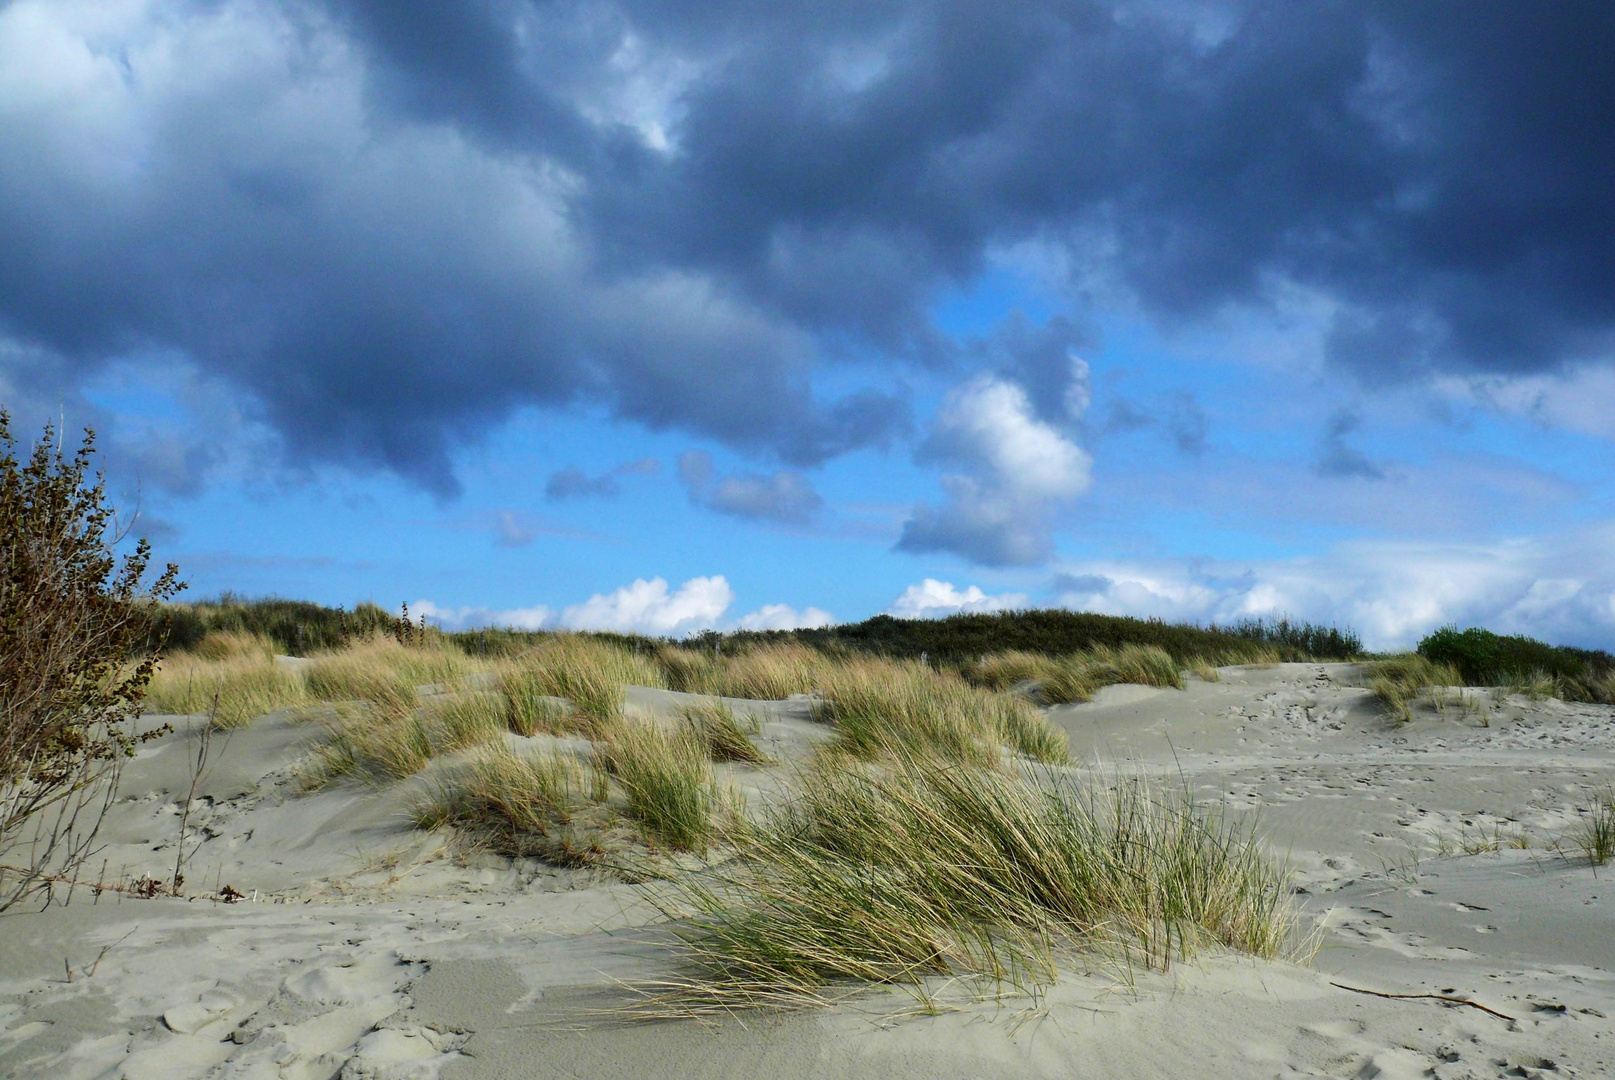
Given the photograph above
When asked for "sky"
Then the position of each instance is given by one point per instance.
(660, 316)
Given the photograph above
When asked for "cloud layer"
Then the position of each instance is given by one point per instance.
(387, 244)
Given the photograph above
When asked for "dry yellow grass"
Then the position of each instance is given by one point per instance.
(538, 805)
(1399, 681)
(236, 681)
(381, 670)
(891, 874)
(772, 672)
(902, 707)
(668, 780)
(590, 673)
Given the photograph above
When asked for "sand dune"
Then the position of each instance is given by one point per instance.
(364, 950)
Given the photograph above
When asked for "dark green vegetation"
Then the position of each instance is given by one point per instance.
(1483, 658)
(1054, 632)
(299, 628)
(73, 618)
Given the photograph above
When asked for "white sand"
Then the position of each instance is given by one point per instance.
(367, 953)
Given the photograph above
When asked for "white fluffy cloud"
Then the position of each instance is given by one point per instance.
(784, 617)
(1391, 592)
(536, 617)
(988, 426)
(647, 607)
(1015, 468)
(644, 607)
(933, 599)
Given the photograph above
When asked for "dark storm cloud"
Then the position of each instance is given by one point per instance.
(394, 223)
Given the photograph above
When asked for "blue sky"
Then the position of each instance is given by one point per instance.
(654, 317)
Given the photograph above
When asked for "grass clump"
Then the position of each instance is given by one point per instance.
(772, 672)
(383, 671)
(242, 679)
(590, 673)
(667, 778)
(881, 707)
(1004, 670)
(1398, 681)
(1076, 677)
(716, 728)
(891, 875)
(690, 671)
(1595, 835)
(522, 805)
(529, 707)
(386, 741)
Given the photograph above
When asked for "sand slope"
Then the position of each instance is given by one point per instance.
(364, 951)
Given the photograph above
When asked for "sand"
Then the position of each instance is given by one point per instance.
(364, 949)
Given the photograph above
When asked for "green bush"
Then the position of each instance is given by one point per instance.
(73, 620)
(1487, 659)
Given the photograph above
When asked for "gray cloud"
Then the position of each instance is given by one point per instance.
(1337, 459)
(572, 482)
(786, 497)
(390, 225)
(982, 527)
(1186, 424)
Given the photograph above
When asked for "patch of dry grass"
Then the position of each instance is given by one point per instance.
(532, 805)
(772, 672)
(883, 707)
(590, 673)
(690, 671)
(1399, 681)
(717, 728)
(668, 781)
(891, 875)
(1000, 671)
(384, 672)
(243, 677)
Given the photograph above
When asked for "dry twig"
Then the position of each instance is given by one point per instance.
(1448, 998)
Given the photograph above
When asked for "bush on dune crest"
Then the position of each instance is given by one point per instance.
(890, 875)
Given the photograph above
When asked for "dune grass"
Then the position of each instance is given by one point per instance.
(1398, 681)
(772, 672)
(668, 781)
(237, 671)
(528, 805)
(1003, 670)
(390, 739)
(381, 670)
(719, 731)
(690, 671)
(1594, 836)
(884, 707)
(588, 672)
(1076, 677)
(891, 875)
